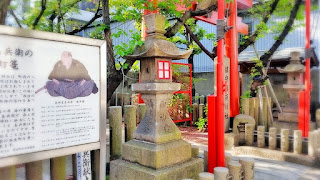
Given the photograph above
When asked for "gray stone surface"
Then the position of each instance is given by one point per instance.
(157, 155)
(141, 112)
(124, 170)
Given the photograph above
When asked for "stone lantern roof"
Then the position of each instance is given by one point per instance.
(295, 64)
(156, 45)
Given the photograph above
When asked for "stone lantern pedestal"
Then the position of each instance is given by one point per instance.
(295, 83)
(157, 150)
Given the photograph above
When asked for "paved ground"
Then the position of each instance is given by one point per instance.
(265, 169)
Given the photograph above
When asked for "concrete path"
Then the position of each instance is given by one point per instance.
(266, 169)
(279, 170)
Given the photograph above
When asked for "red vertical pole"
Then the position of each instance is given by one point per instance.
(232, 53)
(190, 91)
(212, 153)
(220, 93)
(301, 112)
(307, 76)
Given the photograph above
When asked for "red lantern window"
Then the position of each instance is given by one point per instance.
(164, 70)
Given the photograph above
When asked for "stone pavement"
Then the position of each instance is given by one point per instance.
(279, 170)
(266, 169)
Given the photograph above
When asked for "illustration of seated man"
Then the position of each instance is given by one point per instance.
(70, 79)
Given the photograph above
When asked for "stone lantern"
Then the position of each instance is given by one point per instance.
(157, 150)
(295, 83)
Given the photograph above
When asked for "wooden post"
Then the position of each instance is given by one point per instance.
(245, 106)
(34, 170)
(251, 107)
(130, 121)
(115, 119)
(8, 173)
(256, 110)
(58, 168)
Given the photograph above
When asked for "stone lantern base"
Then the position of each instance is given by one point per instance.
(124, 170)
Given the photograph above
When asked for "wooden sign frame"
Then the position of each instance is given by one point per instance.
(101, 144)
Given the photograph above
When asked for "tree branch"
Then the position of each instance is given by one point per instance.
(172, 30)
(96, 16)
(43, 8)
(293, 14)
(15, 17)
(195, 38)
(252, 38)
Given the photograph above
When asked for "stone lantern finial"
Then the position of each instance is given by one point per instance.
(155, 26)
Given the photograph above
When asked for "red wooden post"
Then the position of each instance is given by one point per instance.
(304, 117)
(232, 53)
(220, 92)
(301, 112)
(307, 76)
(212, 144)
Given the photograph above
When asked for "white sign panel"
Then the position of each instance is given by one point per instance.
(49, 95)
(226, 62)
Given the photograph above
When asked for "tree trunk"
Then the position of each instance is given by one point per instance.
(293, 14)
(4, 5)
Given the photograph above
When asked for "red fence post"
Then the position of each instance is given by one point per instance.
(301, 112)
(232, 53)
(212, 154)
(220, 90)
(307, 76)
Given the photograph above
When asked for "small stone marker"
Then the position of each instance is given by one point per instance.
(221, 173)
(228, 158)
(206, 176)
(195, 113)
(197, 98)
(130, 121)
(249, 128)
(229, 141)
(261, 138)
(126, 99)
(297, 142)
(248, 168)
(284, 140)
(312, 143)
(239, 127)
(235, 170)
(272, 138)
(201, 109)
(202, 99)
(318, 118)
(34, 170)
(8, 173)
(142, 108)
(58, 168)
(194, 151)
(115, 119)
(205, 160)
(246, 106)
